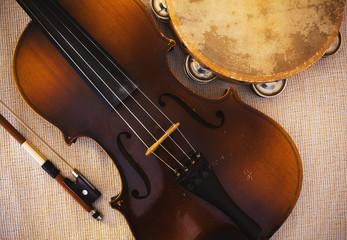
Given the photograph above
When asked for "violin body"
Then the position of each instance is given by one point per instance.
(254, 159)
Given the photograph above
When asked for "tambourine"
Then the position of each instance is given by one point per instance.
(253, 41)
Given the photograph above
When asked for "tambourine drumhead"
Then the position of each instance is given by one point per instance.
(256, 40)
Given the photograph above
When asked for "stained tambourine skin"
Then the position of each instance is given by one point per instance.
(256, 41)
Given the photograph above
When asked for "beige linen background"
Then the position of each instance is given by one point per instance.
(312, 109)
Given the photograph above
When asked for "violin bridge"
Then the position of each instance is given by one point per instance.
(160, 140)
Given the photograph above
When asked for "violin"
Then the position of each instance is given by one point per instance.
(191, 167)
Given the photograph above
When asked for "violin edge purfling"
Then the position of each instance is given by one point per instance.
(77, 111)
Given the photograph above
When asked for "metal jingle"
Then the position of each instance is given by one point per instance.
(160, 10)
(197, 72)
(334, 46)
(270, 89)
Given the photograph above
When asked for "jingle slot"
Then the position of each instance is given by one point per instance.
(197, 72)
(159, 8)
(334, 46)
(270, 89)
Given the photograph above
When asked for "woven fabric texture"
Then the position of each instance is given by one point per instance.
(312, 109)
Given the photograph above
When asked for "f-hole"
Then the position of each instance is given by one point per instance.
(135, 193)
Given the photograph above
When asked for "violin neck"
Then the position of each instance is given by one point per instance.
(93, 63)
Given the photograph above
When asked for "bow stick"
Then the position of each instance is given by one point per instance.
(81, 190)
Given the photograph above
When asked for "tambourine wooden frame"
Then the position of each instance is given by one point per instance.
(233, 76)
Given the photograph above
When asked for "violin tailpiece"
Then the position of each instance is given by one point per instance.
(199, 179)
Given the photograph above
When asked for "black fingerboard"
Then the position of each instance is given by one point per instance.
(93, 63)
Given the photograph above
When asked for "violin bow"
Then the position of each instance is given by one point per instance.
(81, 190)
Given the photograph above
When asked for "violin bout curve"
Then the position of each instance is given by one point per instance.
(253, 157)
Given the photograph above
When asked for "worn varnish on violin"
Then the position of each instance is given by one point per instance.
(226, 172)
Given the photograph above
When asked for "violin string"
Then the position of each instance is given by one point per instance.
(132, 82)
(184, 137)
(107, 85)
(103, 96)
(121, 86)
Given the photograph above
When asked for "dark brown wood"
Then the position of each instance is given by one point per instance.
(11, 130)
(254, 158)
